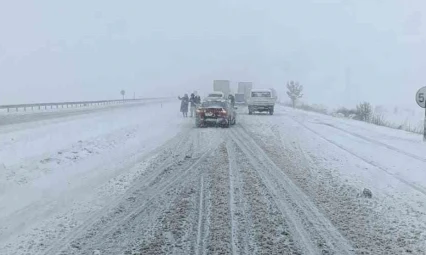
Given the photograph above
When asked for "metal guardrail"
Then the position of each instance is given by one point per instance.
(40, 106)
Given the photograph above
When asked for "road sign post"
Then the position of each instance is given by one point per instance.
(123, 92)
(421, 101)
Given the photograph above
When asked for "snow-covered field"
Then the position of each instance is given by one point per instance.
(143, 180)
(408, 117)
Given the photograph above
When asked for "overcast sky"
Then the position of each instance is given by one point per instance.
(341, 51)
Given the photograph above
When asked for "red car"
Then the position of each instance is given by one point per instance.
(214, 113)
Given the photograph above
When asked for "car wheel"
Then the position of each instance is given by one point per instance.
(227, 124)
(198, 124)
(271, 112)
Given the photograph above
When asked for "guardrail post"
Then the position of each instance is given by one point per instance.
(16, 108)
(7, 109)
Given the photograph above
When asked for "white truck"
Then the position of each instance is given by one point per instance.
(223, 86)
(262, 100)
(245, 87)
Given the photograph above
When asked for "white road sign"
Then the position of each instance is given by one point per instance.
(421, 97)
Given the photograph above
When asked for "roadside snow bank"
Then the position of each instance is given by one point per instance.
(45, 167)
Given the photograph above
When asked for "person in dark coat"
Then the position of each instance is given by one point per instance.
(232, 99)
(192, 101)
(198, 100)
(184, 105)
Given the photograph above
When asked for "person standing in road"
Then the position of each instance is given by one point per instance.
(184, 105)
(232, 99)
(192, 100)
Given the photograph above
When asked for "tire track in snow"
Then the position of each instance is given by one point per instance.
(168, 228)
(308, 225)
(145, 189)
(219, 235)
(176, 179)
(299, 233)
(373, 226)
(199, 246)
(234, 229)
(262, 229)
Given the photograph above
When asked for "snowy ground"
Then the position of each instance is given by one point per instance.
(143, 180)
(409, 116)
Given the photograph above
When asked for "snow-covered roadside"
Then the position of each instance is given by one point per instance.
(333, 160)
(399, 154)
(20, 117)
(46, 168)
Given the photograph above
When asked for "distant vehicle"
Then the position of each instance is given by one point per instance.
(245, 88)
(223, 86)
(240, 98)
(274, 93)
(214, 113)
(261, 100)
(215, 96)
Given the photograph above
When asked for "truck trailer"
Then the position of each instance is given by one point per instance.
(245, 88)
(223, 86)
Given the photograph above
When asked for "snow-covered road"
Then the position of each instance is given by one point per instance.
(143, 180)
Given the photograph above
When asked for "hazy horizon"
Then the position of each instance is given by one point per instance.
(342, 52)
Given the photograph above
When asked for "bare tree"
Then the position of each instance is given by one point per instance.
(294, 91)
(364, 111)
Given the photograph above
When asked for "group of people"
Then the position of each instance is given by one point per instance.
(193, 101)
